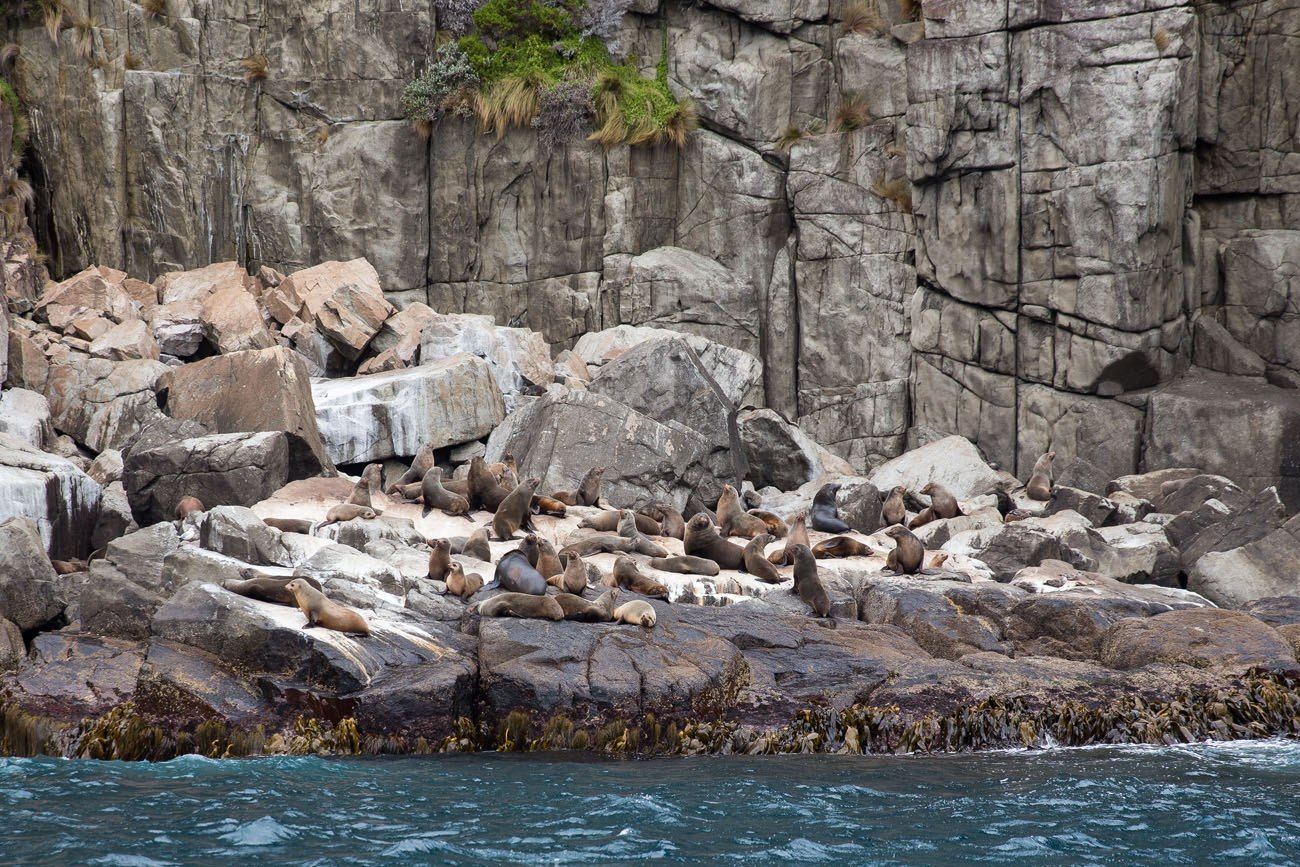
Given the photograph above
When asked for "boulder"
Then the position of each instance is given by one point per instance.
(69, 676)
(29, 587)
(400, 334)
(25, 415)
(953, 462)
(232, 320)
(236, 469)
(1097, 509)
(517, 357)
(859, 506)
(384, 415)
(1186, 494)
(106, 468)
(103, 404)
(115, 518)
(1207, 637)
(1275, 610)
(90, 292)
(342, 300)
(12, 648)
(1215, 349)
(28, 366)
(1269, 566)
(237, 532)
(141, 555)
(197, 284)
(255, 390)
(738, 373)
(1139, 553)
(348, 565)
(947, 618)
(1008, 549)
(61, 500)
(178, 328)
(1147, 486)
(1254, 520)
(127, 341)
(111, 604)
(783, 455)
(1077, 472)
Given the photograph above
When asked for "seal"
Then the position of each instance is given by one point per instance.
(671, 522)
(840, 546)
(636, 612)
(756, 562)
(607, 522)
(695, 506)
(1040, 480)
(942, 502)
(588, 492)
(735, 521)
(908, 554)
(462, 585)
(515, 511)
(895, 509)
(435, 496)
(777, 528)
(420, 464)
(573, 579)
(289, 525)
(825, 515)
(807, 583)
(598, 543)
(629, 577)
(644, 544)
(475, 546)
(798, 535)
(685, 565)
(320, 610)
(440, 560)
(520, 605)
(347, 512)
(586, 611)
(1005, 504)
(266, 589)
(549, 506)
(702, 540)
(371, 476)
(517, 575)
(459, 487)
(188, 506)
(541, 555)
(484, 491)
(68, 567)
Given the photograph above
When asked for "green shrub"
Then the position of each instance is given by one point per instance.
(448, 84)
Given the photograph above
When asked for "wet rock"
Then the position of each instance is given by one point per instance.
(68, 676)
(1207, 636)
(29, 592)
(50, 491)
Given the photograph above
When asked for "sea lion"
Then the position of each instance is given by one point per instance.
(607, 522)
(923, 517)
(756, 562)
(735, 521)
(775, 526)
(541, 555)
(475, 546)
(702, 540)
(320, 610)
(462, 585)
(420, 464)
(685, 565)
(188, 506)
(515, 511)
(798, 535)
(588, 492)
(895, 509)
(290, 525)
(517, 575)
(644, 544)
(440, 560)
(68, 567)
(908, 554)
(573, 579)
(825, 514)
(1005, 503)
(371, 476)
(840, 546)
(483, 490)
(585, 610)
(267, 589)
(806, 582)
(520, 605)
(629, 577)
(636, 612)
(671, 522)
(1040, 480)
(459, 487)
(435, 496)
(939, 559)
(695, 506)
(942, 502)
(347, 512)
(598, 543)
(548, 506)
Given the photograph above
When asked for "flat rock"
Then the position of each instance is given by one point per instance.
(953, 462)
(1207, 636)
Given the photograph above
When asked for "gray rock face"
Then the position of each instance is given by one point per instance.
(1261, 568)
(102, 404)
(61, 500)
(29, 592)
(25, 415)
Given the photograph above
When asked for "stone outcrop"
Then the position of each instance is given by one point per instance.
(52, 492)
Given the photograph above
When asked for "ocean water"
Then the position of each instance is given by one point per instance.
(1210, 804)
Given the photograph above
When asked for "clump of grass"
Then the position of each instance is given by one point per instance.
(1162, 38)
(789, 138)
(154, 8)
(85, 30)
(511, 101)
(131, 60)
(322, 135)
(255, 68)
(898, 191)
(911, 9)
(853, 113)
(53, 16)
(9, 55)
(863, 18)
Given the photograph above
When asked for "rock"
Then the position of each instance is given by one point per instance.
(25, 415)
(1192, 492)
(106, 468)
(129, 340)
(50, 491)
(103, 404)
(29, 590)
(1253, 521)
(342, 300)
(384, 415)
(952, 462)
(1139, 554)
(1275, 610)
(198, 284)
(1077, 472)
(178, 327)
(1215, 349)
(232, 320)
(114, 518)
(860, 505)
(111, 604)
(1147, 486)
(92, 291)
(237, 532)
(1207, 637)
(738, 373)
(68, 676)
(1264, 567)
(344, 564)
(1013, 547)
(947, 618)
(235, 469)
(401, 333)
(28, 366)
(1260, 292)
(141, 555)
(256, 390)
(783, 455)
(12, 649)
(517, 357)
(361, 534)
(88, 328)
(1097, 509)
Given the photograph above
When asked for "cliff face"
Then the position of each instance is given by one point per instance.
(1052, 212)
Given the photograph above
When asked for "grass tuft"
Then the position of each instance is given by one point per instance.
(863, 18)
(255, 68)
(853, 113)
(1162, 38)
(154, 8)
(898, 191)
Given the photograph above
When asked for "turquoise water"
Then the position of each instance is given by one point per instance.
(1213, 804)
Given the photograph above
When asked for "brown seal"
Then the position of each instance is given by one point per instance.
(895, 509)
(1040, 480)
(702, 540)
(671, 522)
(644, 544)
(685, 565)
(636, 612)
(516, 574)
(439, 560)
(462, 585)
(188, 506)
(573, 579)
(629, 577)
(908, 554)
(485, 491)
(588, 492)
(289, 525)
(775, 526)
(420, 465)
(475, 546)
(541, 555)
(459, 487)
(607, 522)
(69, 567)
(347, 512)
(733, 520)
(798, 535)
(320, 610)
(523, 605)
(840, 546)
(515, 511)
(368, 484)
(267, 589)
(549, 506)
(825, 513)
(585, 610)
(598, 543)
(942, 502)
(435, 496)
(756, 562)
(807, 583)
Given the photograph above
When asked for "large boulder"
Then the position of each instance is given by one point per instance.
(235, 469)
(29, 589)
(1269, 566)
(103, 404)
(344, 301)
(198, 284)
(256, 390)
(953, 462)
(782, 455)
(52, 492)
(232, 320)
(25, 414)
(518, 357)
(385, 415)
(1205, 636)
(738, 373)
(126, 341)
(94, 291)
